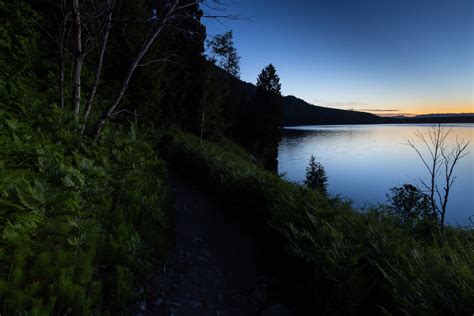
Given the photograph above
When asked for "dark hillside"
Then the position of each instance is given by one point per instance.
(299, 112)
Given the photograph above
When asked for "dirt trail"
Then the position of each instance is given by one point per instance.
(213, 268)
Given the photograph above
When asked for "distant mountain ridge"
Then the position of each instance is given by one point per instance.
(444, 115)
(299, 112)
(434, 118)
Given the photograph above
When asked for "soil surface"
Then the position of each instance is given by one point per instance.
(213, 268)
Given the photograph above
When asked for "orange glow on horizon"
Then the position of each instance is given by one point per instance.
(430, 107)
(441, 108)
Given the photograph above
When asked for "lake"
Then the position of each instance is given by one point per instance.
(364, 161)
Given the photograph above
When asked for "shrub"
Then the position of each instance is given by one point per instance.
(410, 207)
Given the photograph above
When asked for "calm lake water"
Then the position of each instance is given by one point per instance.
(364, 161)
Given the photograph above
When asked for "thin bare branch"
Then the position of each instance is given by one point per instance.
(162, 60)
(443, 162)
(184, 6)
(124, 111)
(225, 17)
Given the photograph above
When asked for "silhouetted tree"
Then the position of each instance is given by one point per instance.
(316, 177)
(224, 54)
(268, 102)
(269, 81)
(266, 117)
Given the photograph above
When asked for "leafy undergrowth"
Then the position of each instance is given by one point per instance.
(336, 260)
(80, 224)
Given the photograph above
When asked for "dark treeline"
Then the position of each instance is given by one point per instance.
(174, 84)
(165, 82)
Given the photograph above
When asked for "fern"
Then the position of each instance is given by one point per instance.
(58, 223)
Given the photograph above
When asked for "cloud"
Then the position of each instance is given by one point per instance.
(397, 114)
(378, 110)
(343, 104)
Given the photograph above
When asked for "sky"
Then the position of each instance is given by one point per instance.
(389, 57)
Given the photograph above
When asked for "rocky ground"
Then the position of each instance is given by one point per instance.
(213, 268)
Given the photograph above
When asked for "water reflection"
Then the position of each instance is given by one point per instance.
(364, 161)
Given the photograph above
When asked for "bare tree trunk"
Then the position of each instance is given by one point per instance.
(204, 100)
(450, 161)
(124, 86)
(441, 155)
(434, 172)
(61, 62)
(78, 59)
(203, 119)
(61, 80)
(98, 70)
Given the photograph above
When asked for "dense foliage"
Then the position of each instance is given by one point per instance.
(79, 226)
(410, 205)
(80, 223)
(336, 260)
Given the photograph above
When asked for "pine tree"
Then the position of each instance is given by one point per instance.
(316, 177)
(268, 101)
(269, 81)
(265, 118)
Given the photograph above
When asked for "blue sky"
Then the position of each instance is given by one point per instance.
(412, 56)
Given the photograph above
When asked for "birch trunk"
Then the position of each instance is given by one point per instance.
(204, 101)
(61, 63)
(98, 71)
(78, 59)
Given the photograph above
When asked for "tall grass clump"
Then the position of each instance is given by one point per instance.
(333, 259)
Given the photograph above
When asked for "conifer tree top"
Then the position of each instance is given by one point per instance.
(269, 81)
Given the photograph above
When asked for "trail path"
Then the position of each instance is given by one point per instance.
(213, 268)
